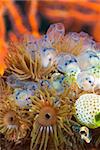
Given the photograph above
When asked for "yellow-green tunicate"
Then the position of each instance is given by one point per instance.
(87, 110)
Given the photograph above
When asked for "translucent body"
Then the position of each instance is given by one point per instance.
(88, 59)
(47, 56)
(64, 60)
(90, 79)
(57, 82)
(14, 82)
(86, 81)
(23, 97)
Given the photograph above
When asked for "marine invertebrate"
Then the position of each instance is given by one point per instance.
(21, 63)
(86, 81)
(51, 115)
(5, 90)
(44, 84)
(18, 27)
(27, 20)
(87, 109)
(14, 82)
(39, 57)
(21, 90)
(73, 43)
(64, 60)
(57, 82)
(85, 134)
(91, 59)
(89, 80)
(47, 56)
(48, 86)
(22, 97)
(71, 74)
(95, 71)
(12, 122)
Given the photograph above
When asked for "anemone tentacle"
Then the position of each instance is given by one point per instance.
(50, 119)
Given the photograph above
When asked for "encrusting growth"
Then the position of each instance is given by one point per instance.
(48, 92)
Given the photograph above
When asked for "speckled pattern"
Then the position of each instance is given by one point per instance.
(87, 106)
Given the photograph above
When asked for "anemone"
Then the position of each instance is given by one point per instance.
(73, 92)
(5, 90)
(23, 65)
(51, 119)
(12, 122)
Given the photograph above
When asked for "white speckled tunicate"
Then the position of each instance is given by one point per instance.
(64, 60)
(87, 110)
(86, 81)
(56, 82)
(47, 56)
(22, 97)
(88, 59)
